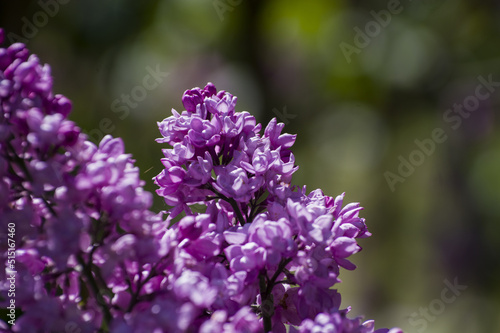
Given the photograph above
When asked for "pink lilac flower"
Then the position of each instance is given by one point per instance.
(274, 235)
(73, 205)
(337, 322)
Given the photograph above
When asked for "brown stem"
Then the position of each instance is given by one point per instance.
(87, 271)
(264, 298)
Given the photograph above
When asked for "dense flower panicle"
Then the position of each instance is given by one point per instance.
(274, 246)
(337, 322)
(210, 137)
(83, 231)
(241, 249)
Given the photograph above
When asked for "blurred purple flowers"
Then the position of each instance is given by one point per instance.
(256, 254)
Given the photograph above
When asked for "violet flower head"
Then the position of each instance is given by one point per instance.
(224, 149)
(337, 322)
(81, 217)
(264, 228)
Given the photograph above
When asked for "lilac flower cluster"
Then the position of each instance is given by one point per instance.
(337, 322)
(240, 250)
(86, 245)
(261, 243)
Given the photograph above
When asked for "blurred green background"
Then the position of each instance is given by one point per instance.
(359, 82)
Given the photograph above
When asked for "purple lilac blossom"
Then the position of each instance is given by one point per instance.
(84, 235)
(281, 249)
(91, 254)
(337, 322)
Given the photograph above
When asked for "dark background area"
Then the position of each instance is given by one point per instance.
(360, 82)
